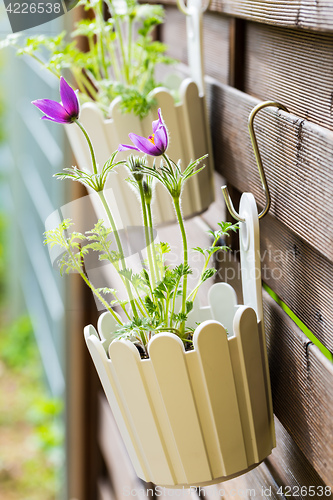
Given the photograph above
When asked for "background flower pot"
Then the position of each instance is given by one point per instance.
(189, 139)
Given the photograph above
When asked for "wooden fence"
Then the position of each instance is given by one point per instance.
(258, 51)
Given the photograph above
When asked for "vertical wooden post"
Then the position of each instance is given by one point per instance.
(83, 457)
(236, 78)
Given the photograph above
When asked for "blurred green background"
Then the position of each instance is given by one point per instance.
(32, 295)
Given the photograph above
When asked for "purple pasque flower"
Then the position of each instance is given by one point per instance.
(155, 145)
(65, 112)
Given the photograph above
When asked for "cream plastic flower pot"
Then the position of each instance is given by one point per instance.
(189, 139)
(201, 416)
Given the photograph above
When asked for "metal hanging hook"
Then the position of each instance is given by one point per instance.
(187, 10)
(194, 28)
(263, 179)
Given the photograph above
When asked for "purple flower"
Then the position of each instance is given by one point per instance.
(65, 112)
(155, 145)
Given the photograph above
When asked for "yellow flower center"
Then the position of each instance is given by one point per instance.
(151, 138)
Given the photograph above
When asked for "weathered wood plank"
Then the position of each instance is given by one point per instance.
(302, 383)
(284, 65)
(105, 490)
(285, 467)
(120, 469)
(237, 53)
(215, 41)
(259, 483)
(302, 389)
(300, 275)
(297, 157)
(306, 14)
(301, 14)
(291, 468)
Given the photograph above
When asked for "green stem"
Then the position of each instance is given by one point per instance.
(145, 222)
(122, 49)
(129, 47)
(185, 251)
(92, 153)
(91, 286)
(90, 89)
(92, 50)
(151, 231)
(174, 301)
(120, 249)
(98, 295)
(102, 38)
(139, 307)
(196, 288)
(114, 61)
(78, 79)
(167, 302)
(43, 64)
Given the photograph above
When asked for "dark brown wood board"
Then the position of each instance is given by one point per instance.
(282, 64)
(299, 14)
(302, 388)
(315, 15)
(215, 41)
(297, 157)
(292, 470)
(300, 275)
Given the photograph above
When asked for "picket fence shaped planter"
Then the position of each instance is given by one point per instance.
(202, 416)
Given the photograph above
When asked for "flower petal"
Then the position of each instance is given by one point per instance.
(53, 110)
(158, 122)
(125, 147)
(144, 145)
(161, 139)
(56, 121)
(69, 99)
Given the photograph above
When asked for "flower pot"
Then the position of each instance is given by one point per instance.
(201, 416)
(189, 139)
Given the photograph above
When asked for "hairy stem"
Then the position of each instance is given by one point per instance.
(102, 38)
(194, 292)
(185, 253)
(148, 243)
(120, 249)
(92, 152)
(151, 232)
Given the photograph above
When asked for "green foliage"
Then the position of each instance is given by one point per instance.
(153, 295)
(96, 181)
(121, 56)
(71, 242)
(171, 175)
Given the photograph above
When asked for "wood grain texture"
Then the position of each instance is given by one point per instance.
(302, 388)
(286, 466)
(283, 65)
(237, 31)
(301, 14)
(296, 155)
(258, 483)
(105, 490)
(291, 468)
(299, 274)
(308, 14)
(120, 469)
(215, 41)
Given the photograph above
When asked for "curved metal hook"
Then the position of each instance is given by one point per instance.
(185, 10)
(263, 179)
